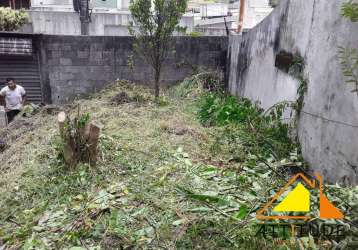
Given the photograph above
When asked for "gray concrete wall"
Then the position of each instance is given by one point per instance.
(78, 65)
(55, 22)
(313, 29)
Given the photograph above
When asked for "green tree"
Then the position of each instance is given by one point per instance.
(153, 27)
(11, 20)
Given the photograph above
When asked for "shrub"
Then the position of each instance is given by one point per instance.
(245, 125)
(11, 20)
(219, 109)
(350, 10)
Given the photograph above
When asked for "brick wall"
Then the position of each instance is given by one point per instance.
(80, 65)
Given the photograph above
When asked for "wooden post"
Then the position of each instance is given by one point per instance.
(240, 24)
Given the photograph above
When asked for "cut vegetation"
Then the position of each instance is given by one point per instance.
(187, 173)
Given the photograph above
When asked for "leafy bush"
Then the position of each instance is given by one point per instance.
(219, 109)
(11, 20)
(247, 129)
(350, 10)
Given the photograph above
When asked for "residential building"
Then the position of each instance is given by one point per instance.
(60, 17)
(217, 18)
(255, 12)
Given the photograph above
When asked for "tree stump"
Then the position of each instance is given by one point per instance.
(79, 143)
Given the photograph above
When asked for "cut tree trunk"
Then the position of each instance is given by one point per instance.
(81, 147)
(92, 137)
(69, 146)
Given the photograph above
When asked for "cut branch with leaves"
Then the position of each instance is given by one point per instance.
(153, 26)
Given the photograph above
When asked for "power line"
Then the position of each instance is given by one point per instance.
(329, 120)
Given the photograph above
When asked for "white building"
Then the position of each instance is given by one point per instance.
(107, 18)
(112, 17)
(213, 16)
(255, 12)
(68, 4)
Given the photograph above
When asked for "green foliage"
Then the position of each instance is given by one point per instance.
(261, 133)
(349, 64)
(349, 56)
(73, 137)
(195, 34)
(350, 10)
(153, 27)
(11, 20)
(296, 71)
(217, 109)
(301, 91)
(151, 189)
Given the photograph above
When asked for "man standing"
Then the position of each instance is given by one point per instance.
(15, 97)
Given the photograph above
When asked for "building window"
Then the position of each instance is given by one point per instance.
(15, 4)
(110, 4)
(40, 3)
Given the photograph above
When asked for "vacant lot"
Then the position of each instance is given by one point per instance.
(163, 180)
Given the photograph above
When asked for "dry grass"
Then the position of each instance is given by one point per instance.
(26, 139)
(137, 125)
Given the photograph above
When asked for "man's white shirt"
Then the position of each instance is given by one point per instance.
(13, 98)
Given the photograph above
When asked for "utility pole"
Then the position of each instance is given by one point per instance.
(240, 24)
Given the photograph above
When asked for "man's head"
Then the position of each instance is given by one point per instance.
(11, 83)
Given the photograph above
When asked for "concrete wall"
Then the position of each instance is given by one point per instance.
(109, 24)
(55, 22)
(79, 65)
(211, 31)
(314, 29)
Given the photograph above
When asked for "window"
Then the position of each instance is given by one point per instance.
(15, 4)
(109, 4)
(39, 3)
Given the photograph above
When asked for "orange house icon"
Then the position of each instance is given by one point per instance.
(298, 200)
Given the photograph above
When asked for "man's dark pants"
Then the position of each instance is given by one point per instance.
(11, 114)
